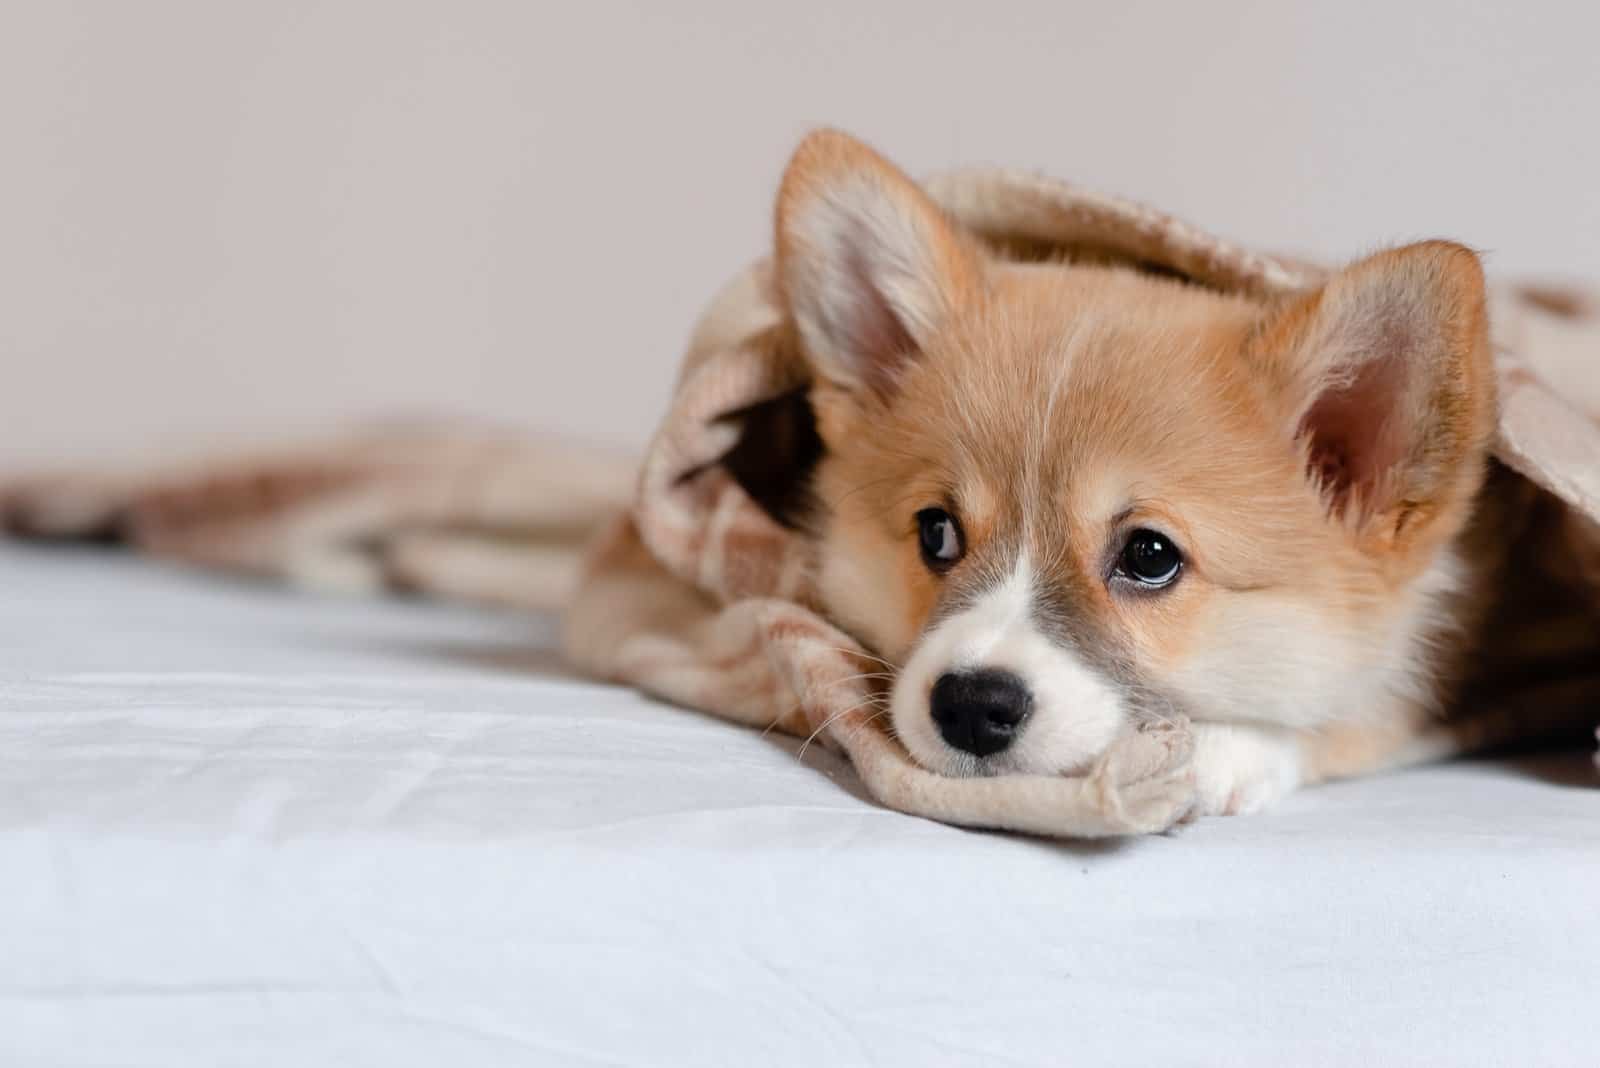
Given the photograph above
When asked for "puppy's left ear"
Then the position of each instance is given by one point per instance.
(1387, 385)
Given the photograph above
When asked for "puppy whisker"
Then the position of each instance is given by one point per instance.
(831, 720)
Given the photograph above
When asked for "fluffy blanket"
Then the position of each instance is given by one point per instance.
(694, 592)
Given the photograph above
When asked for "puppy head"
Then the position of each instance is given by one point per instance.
(1065, 499)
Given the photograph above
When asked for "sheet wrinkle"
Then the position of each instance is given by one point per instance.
(539, 883)
(179, 991)
(514, 1039)
(706, 812)
(840, 1025)
(389, 801)
(374, 964)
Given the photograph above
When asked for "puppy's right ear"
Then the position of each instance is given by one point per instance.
(869, 266)
(1387, 384)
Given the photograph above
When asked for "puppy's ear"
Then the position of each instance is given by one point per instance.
(869, 266)
(1387, 385)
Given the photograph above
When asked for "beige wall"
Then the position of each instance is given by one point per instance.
(243, 218)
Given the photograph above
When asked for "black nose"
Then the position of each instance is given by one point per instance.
(980, 711)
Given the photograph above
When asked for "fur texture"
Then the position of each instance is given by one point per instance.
(1316, 459)
(1362, 585)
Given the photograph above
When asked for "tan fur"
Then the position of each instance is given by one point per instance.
(1056, 406)
(1015, 354)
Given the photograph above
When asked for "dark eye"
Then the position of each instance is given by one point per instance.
(1150, 559)
(940, 536)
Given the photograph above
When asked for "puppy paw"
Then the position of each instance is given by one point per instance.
(1240, 770)
(1144, 784)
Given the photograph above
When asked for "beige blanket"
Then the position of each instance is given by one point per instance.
(694, 593)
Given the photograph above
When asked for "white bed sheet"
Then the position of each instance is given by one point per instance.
(241, 826)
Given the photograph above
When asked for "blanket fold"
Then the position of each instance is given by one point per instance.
(691, 587)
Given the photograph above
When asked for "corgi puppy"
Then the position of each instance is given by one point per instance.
(1064, 499)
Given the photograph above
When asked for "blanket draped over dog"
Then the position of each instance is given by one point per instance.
(694, 592)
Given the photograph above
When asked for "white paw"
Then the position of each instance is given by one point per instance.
(1239, 770)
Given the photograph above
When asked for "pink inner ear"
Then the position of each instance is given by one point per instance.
(876, 338)
(1356, 435)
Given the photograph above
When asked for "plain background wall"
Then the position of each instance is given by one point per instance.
(260, 218)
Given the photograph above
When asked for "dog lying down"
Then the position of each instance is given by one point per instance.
(1053, 513)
